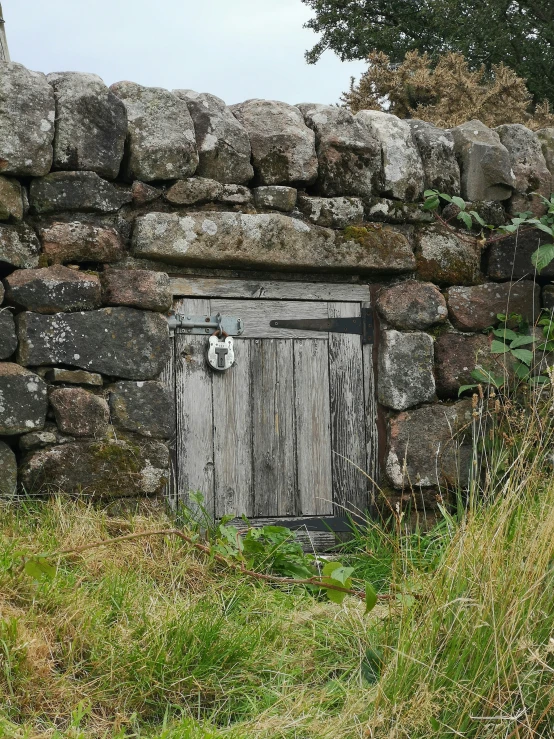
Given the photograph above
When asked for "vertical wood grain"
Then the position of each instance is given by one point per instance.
(313, 427)
(232, 408)
(372, 441)
(167, 378)
(273, 428)
(348, 407)
(193, 390)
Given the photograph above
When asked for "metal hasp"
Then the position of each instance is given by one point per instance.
(196, 325)
(361, 325)
(4, 52)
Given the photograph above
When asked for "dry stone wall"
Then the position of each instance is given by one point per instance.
(106, 192)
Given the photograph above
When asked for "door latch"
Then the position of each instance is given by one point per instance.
(196, 325)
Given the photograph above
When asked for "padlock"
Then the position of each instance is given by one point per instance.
(221, 353)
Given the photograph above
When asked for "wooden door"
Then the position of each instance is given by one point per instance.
(287, 432)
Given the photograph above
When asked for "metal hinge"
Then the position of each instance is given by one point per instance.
(361, 325)
(196, 325)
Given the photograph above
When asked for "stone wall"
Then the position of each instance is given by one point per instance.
(106, 192)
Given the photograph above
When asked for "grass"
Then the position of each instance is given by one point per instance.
(148, 639)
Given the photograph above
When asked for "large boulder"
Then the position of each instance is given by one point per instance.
(142, 407)
(529, 168)
(331, 212)
(403, 175)
(76, 191)
(53, 290)
(223, 144)
(27, 115)
(485, 162)
(509, 258)
(161, 143)
(476, 308)
(436, 149)
(23, 400)
(91, 124)
(546, 138)
(121, 342)
(348, 151)
(405, 376)
(430, 446)
(138, 288)
(283, 147)
(269, 240)
(447, 259)
(79, 412)
(103, 468)
(77, 241)
(19, 247)
(8, 472)
(11, 199)
(8, 337)
(412, 305)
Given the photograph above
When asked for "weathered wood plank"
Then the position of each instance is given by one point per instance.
(264, 290)
(310, 541)
(167, 378)
(257, 315)
(372, 438)
(348, 434)
(313, 427)
(273, 428)
(232, 409)
(193, 391)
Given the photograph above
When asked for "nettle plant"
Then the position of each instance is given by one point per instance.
(512, 336)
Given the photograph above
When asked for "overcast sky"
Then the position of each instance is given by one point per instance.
(236, 49)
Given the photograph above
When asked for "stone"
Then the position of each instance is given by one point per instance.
(91, 124)
(19, 246)
(403, 175)
(8, 337)
(8, 472)
(412, 305)
(405, 377)
(142, 407)
(78, 242)
(485, 163)
(446, 259)
(53, 290)
(39, 439)
(161, 143)
(529, 168)
(79, 412)
(385, 210)
(491, 211)
(510, 258)
(283, 147)
(548, 297)
(223, 145)
(11, 199)
(23, 400)
(138, 288)
(60, 376)
(194, 190)
(476, 308)
(27, 115)
(143, 194)
(275, 197)
(270, 240)
(85, 192)
(546, 138)
(98, 469)
(120, 342)
(348, 151)
(430, 446)
(235, 195)
(331, 212)
(436, 149)
(457, 355)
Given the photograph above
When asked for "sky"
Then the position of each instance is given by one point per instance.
(236, 49)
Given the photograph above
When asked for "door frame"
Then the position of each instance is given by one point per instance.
(197, 286)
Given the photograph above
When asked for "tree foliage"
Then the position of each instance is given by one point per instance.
(446, 94)
(517, 33)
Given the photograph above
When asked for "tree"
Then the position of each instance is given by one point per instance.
(517, 33)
